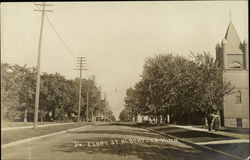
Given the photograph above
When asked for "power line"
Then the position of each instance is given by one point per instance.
(63, 42)
(58, 35)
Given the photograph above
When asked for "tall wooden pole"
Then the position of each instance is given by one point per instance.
(81, 67)
(93, 105)
(38, 69)
(80, 94)
(81, 62)
(87, 107)
(43, 10)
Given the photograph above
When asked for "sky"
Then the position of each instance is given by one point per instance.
(115, 37)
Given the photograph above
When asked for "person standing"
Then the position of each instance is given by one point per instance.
(209, 121)
(216, 123)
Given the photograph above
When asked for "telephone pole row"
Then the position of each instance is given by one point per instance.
(92, 107)
(43, 10)
(81, 66)
(87, 107)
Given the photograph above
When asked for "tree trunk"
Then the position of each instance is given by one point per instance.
(54, 114)
(218, 113)
(189, 118)
(61, 114)
(41, 115)
(157, 119)
(25, 114)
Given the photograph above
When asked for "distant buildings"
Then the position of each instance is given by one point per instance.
(232, 55)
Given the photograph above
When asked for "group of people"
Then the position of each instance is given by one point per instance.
(213, 121)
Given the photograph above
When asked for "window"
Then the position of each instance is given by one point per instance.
(238, 97)
(235, 65)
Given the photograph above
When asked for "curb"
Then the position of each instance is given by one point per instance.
(43, 125)
(4, 146)
(194, 144)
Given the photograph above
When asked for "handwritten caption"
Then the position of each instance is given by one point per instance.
(123, 141)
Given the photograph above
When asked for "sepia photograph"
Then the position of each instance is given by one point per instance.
(125, 80)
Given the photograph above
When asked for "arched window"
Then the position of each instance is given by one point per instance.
(235, 65)
(238, 97)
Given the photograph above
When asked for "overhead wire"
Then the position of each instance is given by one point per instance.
(63, 42)
(57, 33)
(71, 53)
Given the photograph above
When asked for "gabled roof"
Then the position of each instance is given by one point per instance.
(233, 39)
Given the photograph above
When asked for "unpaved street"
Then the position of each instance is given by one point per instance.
(106, 142)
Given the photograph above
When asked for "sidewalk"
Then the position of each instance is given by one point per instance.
(43, 125)
(9, 136)
(22, 141)
(236, 135)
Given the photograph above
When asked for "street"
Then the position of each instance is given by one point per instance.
(107, 141)
(162, 80)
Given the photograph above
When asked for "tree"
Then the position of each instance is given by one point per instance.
(9, 95)
(178, 86)
(17, 90)
(130, 102)
(125, 116)
(211, 83)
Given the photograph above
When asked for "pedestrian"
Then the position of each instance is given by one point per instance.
(209, 121)
(216, 122)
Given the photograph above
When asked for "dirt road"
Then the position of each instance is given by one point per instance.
(106, 142)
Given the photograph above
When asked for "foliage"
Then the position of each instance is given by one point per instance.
(125, 116)
(175, 86)
(58, 95)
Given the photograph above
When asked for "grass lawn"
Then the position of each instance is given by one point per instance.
(236, 130)
(193, 136)
(236, 149)
(6, 124)
(20, 134)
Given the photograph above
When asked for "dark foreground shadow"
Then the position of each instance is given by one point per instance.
(184, 133)
(237, 149)
(236, 130)
(133, 132)
(148, 151)
(145, 151)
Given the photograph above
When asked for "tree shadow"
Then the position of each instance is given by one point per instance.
(129, 124)
(236, 130)
(145, 151)
(198, 135)
(141, 133)
(237, 149)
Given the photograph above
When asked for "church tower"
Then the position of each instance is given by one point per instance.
(232, 56)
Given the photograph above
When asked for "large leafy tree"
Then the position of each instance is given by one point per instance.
(125, 115)
(130, 101)
(212, 87)
(17, 90)
(58, 95)
(9, 93)
(178, 86)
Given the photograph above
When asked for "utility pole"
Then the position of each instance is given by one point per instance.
(92, 107)
(87, 105)
(100, 91)
(81, 64)
(43, 10)
(105, 96)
